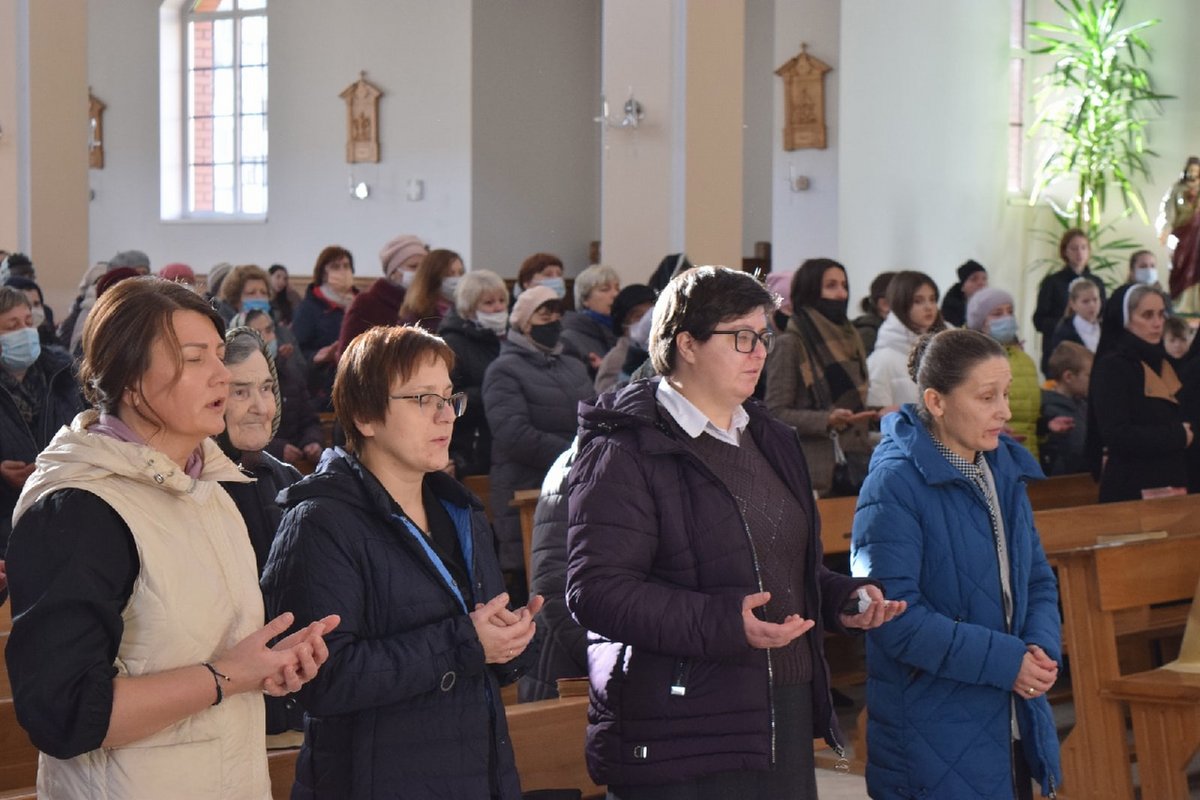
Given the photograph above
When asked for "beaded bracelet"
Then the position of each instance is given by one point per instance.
(217, 678)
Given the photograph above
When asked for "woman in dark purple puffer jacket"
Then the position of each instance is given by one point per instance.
(694, 559)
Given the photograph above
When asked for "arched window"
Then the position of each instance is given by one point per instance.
(215, 153)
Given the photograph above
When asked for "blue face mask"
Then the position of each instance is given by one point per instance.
(19, 349)
(1003, 329)
(557, 284)
(273, 347)
(256, 304)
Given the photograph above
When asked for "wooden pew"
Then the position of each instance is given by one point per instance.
(281, 767)
(548, 739)
(481, 487)
(18, 756)
(525, 501)
(1165, 706)
(1096, 584)
(1063, 491)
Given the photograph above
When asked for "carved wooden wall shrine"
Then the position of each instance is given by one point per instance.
(804, 101)
(95, 131)
(362, 120)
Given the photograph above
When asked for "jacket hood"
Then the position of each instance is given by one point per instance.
(894, 336)
(342, 477)
(75, 457)
(905, 438)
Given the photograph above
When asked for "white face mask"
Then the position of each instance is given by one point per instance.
(494, 321)
(449, 285)
(1146, 275)
(39, 316)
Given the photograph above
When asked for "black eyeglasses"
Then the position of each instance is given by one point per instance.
(745, 340)
(430, 403)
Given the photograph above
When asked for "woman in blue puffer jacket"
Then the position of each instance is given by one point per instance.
(957, 686)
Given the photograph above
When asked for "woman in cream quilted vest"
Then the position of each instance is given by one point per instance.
(138, 651)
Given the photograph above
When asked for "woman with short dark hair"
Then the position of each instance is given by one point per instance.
(408, 704)
(694, 559)
(318, 319)
(138, 655)
(956, 688)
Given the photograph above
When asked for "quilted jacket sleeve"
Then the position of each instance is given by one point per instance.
(888, 545)
(317, 570)
(612, 539)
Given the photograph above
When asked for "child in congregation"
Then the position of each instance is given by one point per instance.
(1064, 410)
(1177, 336)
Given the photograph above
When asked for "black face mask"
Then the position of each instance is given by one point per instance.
(546, 335)
(832, 310)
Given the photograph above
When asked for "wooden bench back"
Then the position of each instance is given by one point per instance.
(18, 756)
(1067, 528)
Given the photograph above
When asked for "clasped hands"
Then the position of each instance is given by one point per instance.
(764, 635)
(253, 663)
(504, 634)
(1038, 673)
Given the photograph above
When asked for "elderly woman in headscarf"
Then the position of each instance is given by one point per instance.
(252, 415)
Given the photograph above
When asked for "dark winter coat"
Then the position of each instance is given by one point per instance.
(298, 421)
(583, 335)
(954, 306)
(405, 706)
(563, 653)
(531, 398)
(316, 324)
(256, 502)
(940, 675)
(1143, 436)
(378, 305)
(21, 442)
(1064, 453)
(658, 566)
(1053, 296)
(475, 348)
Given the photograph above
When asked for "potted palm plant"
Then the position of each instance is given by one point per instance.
(1094, 105)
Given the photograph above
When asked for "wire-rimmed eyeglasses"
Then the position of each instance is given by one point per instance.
(430, 403)
(745, 340)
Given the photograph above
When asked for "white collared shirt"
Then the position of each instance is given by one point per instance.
(693, 420)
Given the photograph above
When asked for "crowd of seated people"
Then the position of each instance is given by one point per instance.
(1120, 397)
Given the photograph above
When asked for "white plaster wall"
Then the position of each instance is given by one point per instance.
(759, 131)
(923, 157)
(642, 170)
(419, 53)
(535, 148)
(805, 224)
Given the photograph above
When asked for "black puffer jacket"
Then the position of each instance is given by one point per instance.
(583, 335)
(531, 398)
(475, 348)
(563, 653)
(405, 706)
(21, 442)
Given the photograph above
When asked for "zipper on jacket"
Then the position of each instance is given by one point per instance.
(679, 684)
